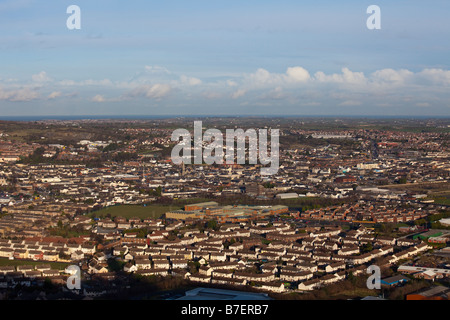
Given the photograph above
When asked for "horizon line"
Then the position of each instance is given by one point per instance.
(28, 118)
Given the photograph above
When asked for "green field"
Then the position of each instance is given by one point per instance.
(54, 265)
(445, 200)
(130, 211)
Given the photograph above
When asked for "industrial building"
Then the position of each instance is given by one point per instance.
(236, 213)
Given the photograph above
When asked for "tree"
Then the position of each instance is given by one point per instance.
(269, 185)
(193, 266)
(115, 265)
(89, 201)
(367, 247)
(48, 285)
(386, 228)
(125, 156)
(212, 224)
(420, 222)
(351, 277)
(111, 147)
(141, 232)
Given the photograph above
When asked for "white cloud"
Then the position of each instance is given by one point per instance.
(156, 91)
(297, 74)
(350, 103)
(98, 98)
(54, 94)
(41, 77)
(311, 104)
(190, 80)
(238, 93)
(346, 77)
(22, 94)
(275, 94)
(436, 76)
(384, 105)
(88, 82)
(156, 69)
(390, 76)
(423, 104)
(293, 87)
(261, 76)
(67, 83)
(212, 95)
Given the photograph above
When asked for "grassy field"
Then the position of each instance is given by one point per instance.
(441, 200)
(433, 187)
(352, 293)
(130, 211)
(157, 210)
(54, 265)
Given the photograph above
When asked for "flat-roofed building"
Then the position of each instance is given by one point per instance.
(200, 206)
(220, 294)
(182, 215)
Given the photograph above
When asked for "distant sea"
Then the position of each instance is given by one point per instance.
(150, 117)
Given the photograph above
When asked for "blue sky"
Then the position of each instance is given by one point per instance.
(224, 57)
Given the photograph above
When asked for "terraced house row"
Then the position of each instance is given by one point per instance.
(236, 255)
(377, 212)
(45, 250)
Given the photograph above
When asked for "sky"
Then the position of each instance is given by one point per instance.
(246, 57)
